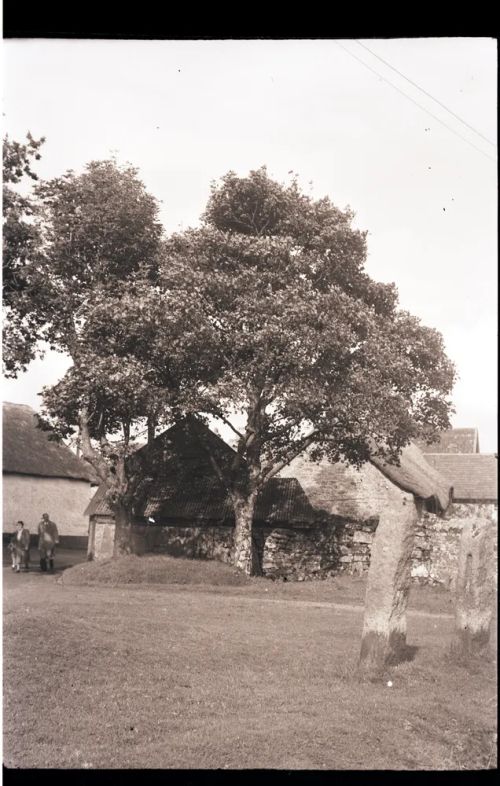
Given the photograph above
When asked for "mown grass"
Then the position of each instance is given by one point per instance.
(215, 676)
(162, 569)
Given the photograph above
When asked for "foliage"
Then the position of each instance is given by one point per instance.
(20, 245)
(99, 233)
(265, 319)
(296, 335)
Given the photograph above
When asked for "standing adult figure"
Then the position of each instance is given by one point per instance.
(48, 537)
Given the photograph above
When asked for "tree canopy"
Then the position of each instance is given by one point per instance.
(98, 233)
(263, 318)
(20, 246)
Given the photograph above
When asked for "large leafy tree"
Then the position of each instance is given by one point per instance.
(287, 340)
(263, 318)
(99, 237)
(20, 245)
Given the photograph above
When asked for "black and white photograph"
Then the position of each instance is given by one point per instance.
(249, 432)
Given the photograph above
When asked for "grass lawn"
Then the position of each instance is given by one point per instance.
(208, 669)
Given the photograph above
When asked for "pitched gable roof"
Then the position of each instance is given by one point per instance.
(340, 488)
(186, 488)
(27, 449)
(178, 460)
(455, 440)
(281, 501)
(184, 485)
(473, 475)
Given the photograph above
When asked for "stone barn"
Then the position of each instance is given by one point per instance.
(474, 481)
(41, 475)
(473, 477)
(313, 520)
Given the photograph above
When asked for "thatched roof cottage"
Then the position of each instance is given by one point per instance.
(41, 475)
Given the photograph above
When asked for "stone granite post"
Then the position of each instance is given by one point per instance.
(475, 588)
(389, 577)
(101, 537)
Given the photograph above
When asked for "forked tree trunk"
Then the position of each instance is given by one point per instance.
(388, 588)
(245, 554)
(123, 531)
(475, 589)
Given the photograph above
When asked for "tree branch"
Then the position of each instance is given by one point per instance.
(228, 423)
(90, 455)
(270, 471)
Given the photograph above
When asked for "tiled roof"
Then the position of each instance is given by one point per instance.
(28, 449)
(178, 460)
(184, 485)
(473, 475)
(455, 440)
(282, 501)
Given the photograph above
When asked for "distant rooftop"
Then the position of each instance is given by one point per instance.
(472, 475)
(455, 440)
(184, 486)
(27, 449)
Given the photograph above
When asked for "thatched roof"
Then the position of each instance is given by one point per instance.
(416, 475)
(474, 476)
(28, 449)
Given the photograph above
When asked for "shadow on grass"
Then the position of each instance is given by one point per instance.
(406, 653)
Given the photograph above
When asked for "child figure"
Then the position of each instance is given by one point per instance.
(19, 547)
(14, 553)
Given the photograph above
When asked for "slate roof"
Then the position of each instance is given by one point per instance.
(282, 501)
(473, 475)
(184, 485)
(27, 449)
(455, 440)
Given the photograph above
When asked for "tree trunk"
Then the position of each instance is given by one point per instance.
(475, 589)
(245, 554)
(123, 531)
(388, 588)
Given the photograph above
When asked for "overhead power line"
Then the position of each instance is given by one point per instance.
(451, 112)
(420, 106)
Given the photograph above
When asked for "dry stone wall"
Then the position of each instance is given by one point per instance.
(437, 542)
(325, 549)
(287, 553)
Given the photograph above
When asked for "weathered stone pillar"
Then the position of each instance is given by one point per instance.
(389, 577)
(475, 588)
(104, 536)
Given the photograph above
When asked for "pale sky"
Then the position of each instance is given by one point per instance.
(186, 112)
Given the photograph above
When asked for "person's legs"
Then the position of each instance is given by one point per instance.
(43, 559)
